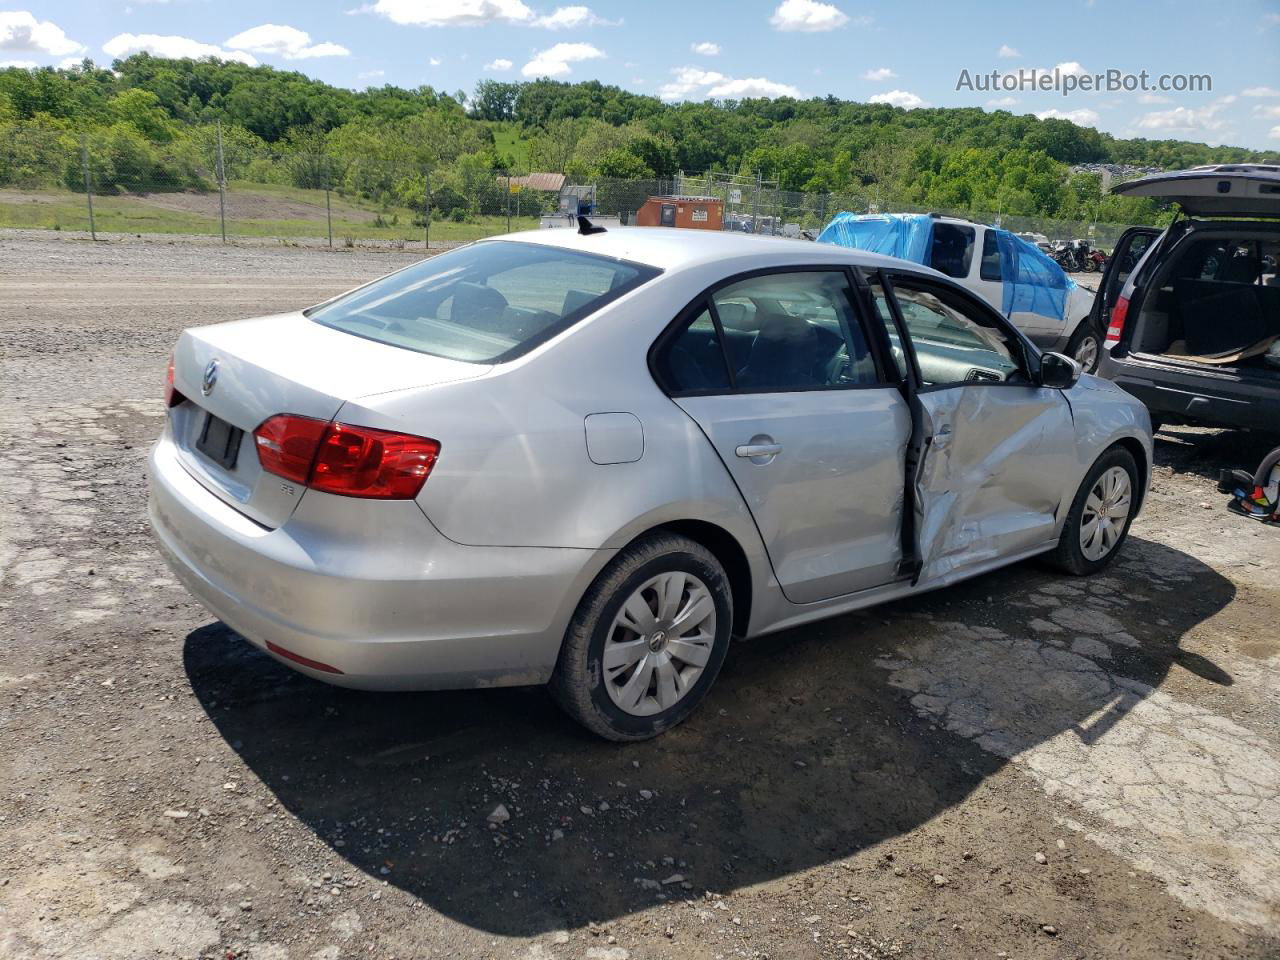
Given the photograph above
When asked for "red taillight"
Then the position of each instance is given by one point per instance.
(1119, 313)
(346, 460)
(287, 445)
(171, 396)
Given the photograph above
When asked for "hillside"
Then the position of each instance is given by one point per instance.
(148, 125)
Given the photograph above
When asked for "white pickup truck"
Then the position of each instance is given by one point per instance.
(971, 254)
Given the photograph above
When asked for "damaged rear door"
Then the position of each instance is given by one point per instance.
(996, 451)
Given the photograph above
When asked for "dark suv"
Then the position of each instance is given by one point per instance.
(1192, 313)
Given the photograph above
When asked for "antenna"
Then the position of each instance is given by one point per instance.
(586, 227)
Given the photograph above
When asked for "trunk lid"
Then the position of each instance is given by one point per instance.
(278, 364)
(1217, 190)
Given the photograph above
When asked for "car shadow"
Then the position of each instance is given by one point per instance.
(809, 748)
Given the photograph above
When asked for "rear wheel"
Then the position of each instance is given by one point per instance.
(1085, 347)
(1100, 515)
(647, 639)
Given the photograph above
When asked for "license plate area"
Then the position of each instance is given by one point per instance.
(220, 441)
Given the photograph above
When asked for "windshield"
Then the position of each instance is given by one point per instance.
(484, 303)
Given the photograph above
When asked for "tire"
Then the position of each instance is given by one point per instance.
(1085, 334)
(1071, 555)
(647, 570)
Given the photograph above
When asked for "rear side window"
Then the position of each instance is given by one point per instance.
(952, 251)
(989, 269)
(483, 303)
(693, 361)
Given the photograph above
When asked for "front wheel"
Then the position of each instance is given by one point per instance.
(1100, 515)
(1085, 347)
(647, 640)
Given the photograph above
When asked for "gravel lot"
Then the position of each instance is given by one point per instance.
(1020, 766)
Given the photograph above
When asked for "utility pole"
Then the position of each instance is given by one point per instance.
(755, 207)
(88, 184)
(426, 238)
(508, 201)
(221, 171)
(328, 210)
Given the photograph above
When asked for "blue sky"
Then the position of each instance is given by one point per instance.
(909, 54)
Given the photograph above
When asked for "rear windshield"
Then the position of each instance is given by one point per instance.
(484, 303)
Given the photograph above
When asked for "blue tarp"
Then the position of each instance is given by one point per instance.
(1033, 283)
(906, 236)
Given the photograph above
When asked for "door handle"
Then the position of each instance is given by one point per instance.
(942, 437)
(749, 451)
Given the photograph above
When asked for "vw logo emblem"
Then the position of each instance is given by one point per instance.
(210, 379)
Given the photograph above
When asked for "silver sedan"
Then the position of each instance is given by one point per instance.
(591, 459)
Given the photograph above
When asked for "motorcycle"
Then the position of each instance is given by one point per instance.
(1064, 255)
(1096, 261)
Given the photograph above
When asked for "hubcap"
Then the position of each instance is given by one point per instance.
(1106, 510)
(659, 643)
(1087, 353)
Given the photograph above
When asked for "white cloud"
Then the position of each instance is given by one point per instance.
(689, 79)
(20, 64)
(20, 32)
(1261, 92)
(807, 16)
(899, 98)
(554, 61)
(573, 18)
(1274, 134)
(1003, 103)
(173, 48)
(68, 62)
(502, 63)
(752, 87)
(1264, 111)
(434, 61)
(879, 73)
(1086, 118)
(693, 82)
(291, 43)
(1007, 51)
(450, 13)
(1270, 19)
(1153, 98)
(1071, 69)
(706, 49)
(1183, 119)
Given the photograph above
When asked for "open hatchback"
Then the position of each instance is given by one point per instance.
(1192, 313)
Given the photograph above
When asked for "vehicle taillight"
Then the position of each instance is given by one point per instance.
(343, 459)
(287, 445)
(171, 396)
(1119, 313)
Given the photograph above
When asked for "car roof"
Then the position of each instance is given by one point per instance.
(670, 248)
(1219, 189)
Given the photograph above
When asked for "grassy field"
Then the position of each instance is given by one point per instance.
(508, 140)
(253, 210)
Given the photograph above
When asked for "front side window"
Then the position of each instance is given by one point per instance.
(952, 250)
(952, 343)
(793, 331)
(483, 303)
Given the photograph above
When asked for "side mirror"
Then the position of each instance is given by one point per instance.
(1058, 371)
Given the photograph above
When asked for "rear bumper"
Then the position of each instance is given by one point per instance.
(369, 588)
(1209, 397)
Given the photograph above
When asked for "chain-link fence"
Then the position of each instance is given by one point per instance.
(213, 183)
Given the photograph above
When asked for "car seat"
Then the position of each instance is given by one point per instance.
(1257, 495)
